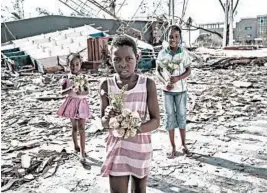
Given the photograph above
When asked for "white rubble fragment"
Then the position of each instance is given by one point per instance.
(242, 84)
(25, 161)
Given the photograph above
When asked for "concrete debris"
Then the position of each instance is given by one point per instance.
(227, 122)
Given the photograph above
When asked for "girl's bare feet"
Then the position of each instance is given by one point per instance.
(84, 161)
(173, 154)
(77, 149)
(184, 149)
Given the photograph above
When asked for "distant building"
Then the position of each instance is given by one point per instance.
(215, 27)
(246, 30)
(262, 26)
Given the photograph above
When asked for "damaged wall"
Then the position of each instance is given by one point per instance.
(46, 24)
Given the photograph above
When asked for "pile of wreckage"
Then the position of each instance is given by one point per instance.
(46, 53)
(31, 100)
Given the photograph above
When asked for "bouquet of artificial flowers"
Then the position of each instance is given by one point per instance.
(169, 67)
(80, 83)
(124, 123)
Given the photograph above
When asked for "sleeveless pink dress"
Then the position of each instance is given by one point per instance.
(75, 106)
(130, 156)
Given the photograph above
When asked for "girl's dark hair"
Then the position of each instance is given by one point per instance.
(73, 56)
(123, 40)
(176, 28)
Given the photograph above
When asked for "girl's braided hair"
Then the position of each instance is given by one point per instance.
(72, 56)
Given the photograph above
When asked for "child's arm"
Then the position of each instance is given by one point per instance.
(64, 88)
(153, 108)
(187, 73)
(104, 102)
(66, 91)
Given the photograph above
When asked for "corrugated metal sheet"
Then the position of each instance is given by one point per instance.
(95, 49)
(56, 43)
(61, 43)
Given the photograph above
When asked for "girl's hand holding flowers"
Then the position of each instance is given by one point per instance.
(174, 79)
(80, 84)
(170, 68)
(123, 122)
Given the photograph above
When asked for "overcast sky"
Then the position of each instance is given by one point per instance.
(202, 11)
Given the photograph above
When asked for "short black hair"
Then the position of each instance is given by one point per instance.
(72, 56)
(176, 28)
(123, 40)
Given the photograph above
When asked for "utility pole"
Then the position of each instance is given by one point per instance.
(171, 11)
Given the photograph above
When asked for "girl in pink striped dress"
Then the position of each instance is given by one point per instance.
(129, 157)
(75, 105)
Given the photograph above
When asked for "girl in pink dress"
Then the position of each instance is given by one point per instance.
(75, 105)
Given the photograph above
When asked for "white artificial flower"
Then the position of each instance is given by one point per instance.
(83, 82)
(118, 133)
(119, 118)
(126, 112)
(170, 65)
(82, 89)
(133, 132)
(127, 134)
(135, 120)
(113, 123)
(125, 124)
(176, 67)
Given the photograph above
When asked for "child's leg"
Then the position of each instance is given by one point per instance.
(172, 139)
(180, 101)
(81, 127)
(74, 123)
(118, 184)
(171, 122)
(183, 134)
(139, 185)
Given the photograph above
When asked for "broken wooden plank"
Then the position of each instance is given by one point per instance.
(8, 185)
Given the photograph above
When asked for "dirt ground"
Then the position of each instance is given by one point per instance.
(226, 134)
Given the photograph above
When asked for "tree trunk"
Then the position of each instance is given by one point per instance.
(231, 21)
(225, 23)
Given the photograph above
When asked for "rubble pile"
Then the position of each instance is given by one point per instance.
(228, 95)
(218, 95)
(25, 167)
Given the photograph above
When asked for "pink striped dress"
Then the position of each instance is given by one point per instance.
(130, 156)
(75, 106)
